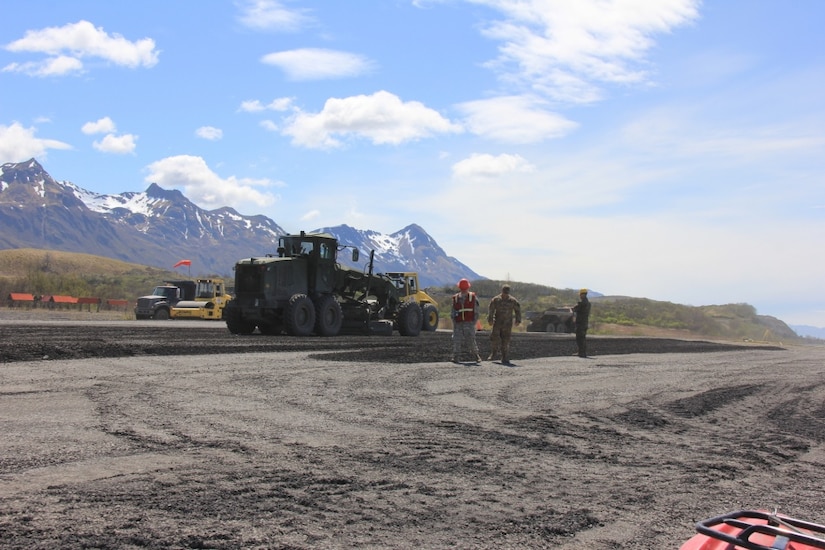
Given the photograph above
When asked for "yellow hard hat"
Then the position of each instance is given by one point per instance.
(583, 291)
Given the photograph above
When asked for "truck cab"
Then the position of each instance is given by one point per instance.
(159, 303)
(277, 291)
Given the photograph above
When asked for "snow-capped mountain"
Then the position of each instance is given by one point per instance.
(159, 227)
(409, 249)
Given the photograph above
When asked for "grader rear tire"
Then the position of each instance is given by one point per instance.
(328, 316)
(299, 316)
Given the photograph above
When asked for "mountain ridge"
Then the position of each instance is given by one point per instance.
(158, 227)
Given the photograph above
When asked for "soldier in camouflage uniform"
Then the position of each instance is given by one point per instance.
(503, 309)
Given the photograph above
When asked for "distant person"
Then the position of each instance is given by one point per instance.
(503, 310)
(465, 317)
(582, 311)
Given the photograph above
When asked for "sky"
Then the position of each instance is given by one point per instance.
(672, 150)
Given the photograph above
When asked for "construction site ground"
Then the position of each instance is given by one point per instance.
(177, 434)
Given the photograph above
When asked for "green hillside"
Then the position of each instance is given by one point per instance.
(621, 315)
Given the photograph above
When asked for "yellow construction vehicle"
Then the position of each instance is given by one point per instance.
(407, 284)
(210, 299)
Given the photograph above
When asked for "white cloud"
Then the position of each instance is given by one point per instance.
(54, 66)
(311, 215)
(209, 132)
(382, 118)
(318, 64)
(268, 125)
(18, 144)
(272, 15)
(484, 166)
(67, 45)
(206, 188)
(567, 50)
(255, 105)
(120, 145)
(104, 125)
(514, 119)
(666, 130)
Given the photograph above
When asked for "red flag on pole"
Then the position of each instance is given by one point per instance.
(182, 262)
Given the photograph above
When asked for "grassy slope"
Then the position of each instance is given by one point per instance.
(54, 272)
(19, 262)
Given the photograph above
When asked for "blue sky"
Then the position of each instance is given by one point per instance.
(673, 150)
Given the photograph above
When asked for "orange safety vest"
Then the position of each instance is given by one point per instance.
(464, 310)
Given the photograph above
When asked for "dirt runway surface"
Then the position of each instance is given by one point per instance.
(179, 435)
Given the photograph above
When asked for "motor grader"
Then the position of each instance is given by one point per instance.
(303, 290)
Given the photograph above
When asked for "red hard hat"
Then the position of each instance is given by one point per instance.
(463, 284)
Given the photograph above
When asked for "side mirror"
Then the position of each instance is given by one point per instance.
(355, 255)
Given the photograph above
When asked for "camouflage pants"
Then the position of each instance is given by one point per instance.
(464, 336)
(500, 340)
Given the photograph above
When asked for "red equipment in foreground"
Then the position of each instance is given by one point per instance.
(756, 530)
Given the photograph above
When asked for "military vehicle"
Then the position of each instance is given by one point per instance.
(559, 319)
(303, 290)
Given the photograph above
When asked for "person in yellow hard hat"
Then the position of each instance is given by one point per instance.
(582, 311)
(465, 317)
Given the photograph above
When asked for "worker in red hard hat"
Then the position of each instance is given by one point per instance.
(465, 317)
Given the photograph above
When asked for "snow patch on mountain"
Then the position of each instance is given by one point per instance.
(137, 203)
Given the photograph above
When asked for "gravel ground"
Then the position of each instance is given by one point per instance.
(179, 435)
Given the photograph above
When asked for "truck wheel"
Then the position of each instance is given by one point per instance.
(430, 314)
(269, 329)
(299, 316)
(162, 315)
(328, 316)
(237, 326)
(550, 328)
(409, 319)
